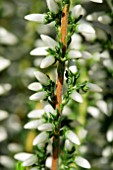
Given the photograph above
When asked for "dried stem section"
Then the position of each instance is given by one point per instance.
(59, 84)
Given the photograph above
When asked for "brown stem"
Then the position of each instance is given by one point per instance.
(59, 85)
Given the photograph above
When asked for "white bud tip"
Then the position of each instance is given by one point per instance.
(97, 1)
(35, 17)
(76, 96)
(82, 162)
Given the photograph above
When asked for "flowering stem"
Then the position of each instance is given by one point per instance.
(59, 84)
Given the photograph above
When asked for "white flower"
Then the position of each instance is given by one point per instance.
(47, 61)
(35, 86)
(41, 138)
(72, 66)
(85, 28)
(102, 105)
(107, 151)
(68, 145)
(109, 134)
(97, 1)
(49, 162)
(49, 109)
(86, 55)
(82, 133)
(22, 156)
(75, 42)
(50, 42)
(93, 111)
(7, 38)
(77, 11)
(40, 51)
(33, 124)
(105, 19)
(3, 134)
(76, 96)
(66, 111)
(3, 114)
(105, 54)
(36, 113)
(4, 88)
(38, 96)
(94, 87)
(36, 17)
(72, 137)
(10, 162)
(30, 161)
(41, 77)
(82, 162)
(14, 147)
(45, 127)
(74, 54)
(52, 5)
(4, 63)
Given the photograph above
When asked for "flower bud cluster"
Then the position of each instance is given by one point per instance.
(46, 120)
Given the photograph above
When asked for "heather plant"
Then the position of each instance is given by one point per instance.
(57, 144)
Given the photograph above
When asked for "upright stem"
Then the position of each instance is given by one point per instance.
(59, 85)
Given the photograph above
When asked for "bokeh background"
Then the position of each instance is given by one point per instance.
(17, 38)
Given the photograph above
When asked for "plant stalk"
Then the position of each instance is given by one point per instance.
(59, 85)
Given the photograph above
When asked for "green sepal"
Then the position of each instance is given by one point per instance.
(19, 166)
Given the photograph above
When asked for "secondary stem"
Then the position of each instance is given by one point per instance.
(59, 85)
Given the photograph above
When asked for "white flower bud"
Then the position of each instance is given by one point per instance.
(102, 105)
(50, 42)
(77, 11)
(109, 134)
(36, 113)
(38, 96)
(30, 161)
(4, 88)
(86, 55)
(3, 114)
(47, 61)
(94, 87)
(76, 96)
(82, 162)
(45, 127)
(7, 38)
(36, 17)
(40, 51)
(3, 134)
(75, 42)
(74, 54)
(10, 162)
(72, 66)
(52, 6)
(41, 77)
(107, 151)
(35, 86)
(33, 124)
(4, 63)
(41, 138)
(105, 19)
(68, 145)
(22, 156)
(72, 137)
(97, 1)
(49, 162)
(49, 110)
(93, 111)
(85, 28)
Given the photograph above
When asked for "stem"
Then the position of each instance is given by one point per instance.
(59, 85)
